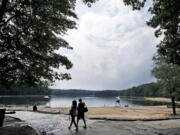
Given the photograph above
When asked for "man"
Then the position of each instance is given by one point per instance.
(81, 111)
(118, 100)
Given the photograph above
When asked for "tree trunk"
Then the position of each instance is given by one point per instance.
(173, 105)
(2, 113)
(2, 9)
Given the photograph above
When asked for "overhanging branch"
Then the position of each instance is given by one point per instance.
(2, 9)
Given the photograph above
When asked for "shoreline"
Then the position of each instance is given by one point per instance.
(160, 99)
(145, 113)
(100, 127)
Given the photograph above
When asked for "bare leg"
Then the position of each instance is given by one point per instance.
(74, 122)
(84, 123)
(77, 122)
(70, 123)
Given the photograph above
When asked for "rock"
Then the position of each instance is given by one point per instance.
(18, 130)
(11, 119)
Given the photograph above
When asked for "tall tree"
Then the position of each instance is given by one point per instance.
(28, 40)
(168, 76)
(166, 20)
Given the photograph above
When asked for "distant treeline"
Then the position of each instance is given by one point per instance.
(77, 92)
(145, 90)
(25, 90)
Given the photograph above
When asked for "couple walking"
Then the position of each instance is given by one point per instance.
(79, 112)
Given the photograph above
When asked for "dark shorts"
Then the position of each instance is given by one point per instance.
(80, 116)
(118, 101)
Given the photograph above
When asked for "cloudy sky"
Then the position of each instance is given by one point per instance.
(113, 47)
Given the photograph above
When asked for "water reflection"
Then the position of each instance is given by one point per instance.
(59, 101)
(23, 100)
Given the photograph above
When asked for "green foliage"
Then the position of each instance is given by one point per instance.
(79, 93)
(145, 90)
(25, 90)
(166, 20)
(30, 33)
(136, 4)
(168, 76)
(28, 40)
(89, 2)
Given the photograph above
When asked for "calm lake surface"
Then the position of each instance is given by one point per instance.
(59, 101)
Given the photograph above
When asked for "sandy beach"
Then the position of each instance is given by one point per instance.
(150, 120)
(160, 99)
(121, 113)
(35, 123)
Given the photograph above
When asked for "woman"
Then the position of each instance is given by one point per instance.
(73, 113)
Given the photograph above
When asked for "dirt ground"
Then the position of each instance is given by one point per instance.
(100, 127)
(124, 113)
(160, 99)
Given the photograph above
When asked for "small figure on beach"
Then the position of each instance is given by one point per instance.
(118, 101)
(34, 107)
(82, 108)
(73, 113)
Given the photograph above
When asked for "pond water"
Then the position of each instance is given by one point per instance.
(59, 101)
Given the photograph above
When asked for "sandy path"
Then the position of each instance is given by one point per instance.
(165, 127)
(138, 112)
(57, 124)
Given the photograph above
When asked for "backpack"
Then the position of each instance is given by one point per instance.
(85, 109)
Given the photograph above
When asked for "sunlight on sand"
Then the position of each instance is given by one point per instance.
(138, 112)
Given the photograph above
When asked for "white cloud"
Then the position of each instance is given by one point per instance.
(113, 48)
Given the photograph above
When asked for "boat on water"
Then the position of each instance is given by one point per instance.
(46, 97)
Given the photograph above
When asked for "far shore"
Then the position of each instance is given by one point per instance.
(23, 95)
(114, 113)
(160, 99)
